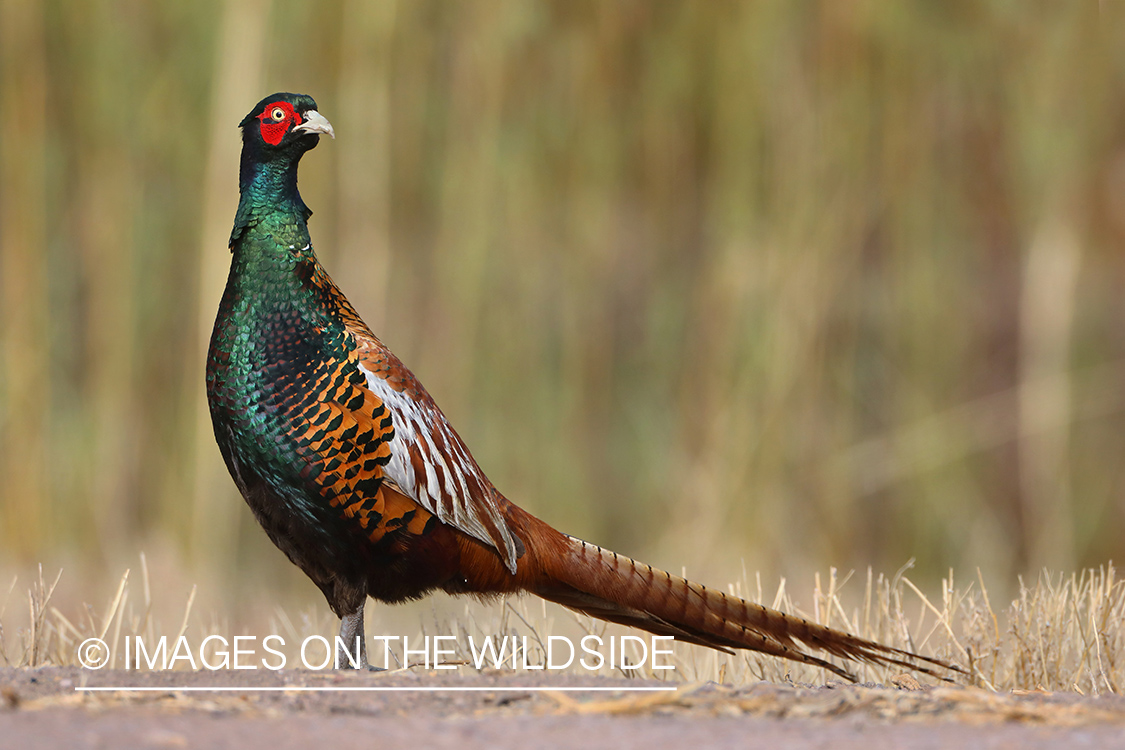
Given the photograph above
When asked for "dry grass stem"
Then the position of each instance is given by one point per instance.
(1060, 633)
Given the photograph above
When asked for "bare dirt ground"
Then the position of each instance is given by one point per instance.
(42, 709)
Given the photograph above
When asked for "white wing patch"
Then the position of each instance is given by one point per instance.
(451, 486)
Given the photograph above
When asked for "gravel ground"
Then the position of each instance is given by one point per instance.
(41, 708)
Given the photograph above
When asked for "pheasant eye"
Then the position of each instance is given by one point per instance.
(278, 114)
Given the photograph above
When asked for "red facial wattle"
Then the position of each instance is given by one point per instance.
(276, 121)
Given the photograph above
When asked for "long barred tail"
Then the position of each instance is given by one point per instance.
(613, 587)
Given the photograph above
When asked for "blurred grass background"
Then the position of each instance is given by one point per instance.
(773, 284)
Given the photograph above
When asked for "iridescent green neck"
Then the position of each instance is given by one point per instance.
(269, 206)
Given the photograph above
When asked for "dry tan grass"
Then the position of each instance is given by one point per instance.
(1061, 633)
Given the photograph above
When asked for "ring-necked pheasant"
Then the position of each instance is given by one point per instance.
(356, 475)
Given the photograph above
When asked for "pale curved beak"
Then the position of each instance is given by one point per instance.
(315, 123)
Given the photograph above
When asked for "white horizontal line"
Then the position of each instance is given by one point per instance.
(433, 689)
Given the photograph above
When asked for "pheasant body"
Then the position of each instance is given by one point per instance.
(357, 476)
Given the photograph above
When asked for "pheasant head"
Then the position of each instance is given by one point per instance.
(283, 126)
(276, 133)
